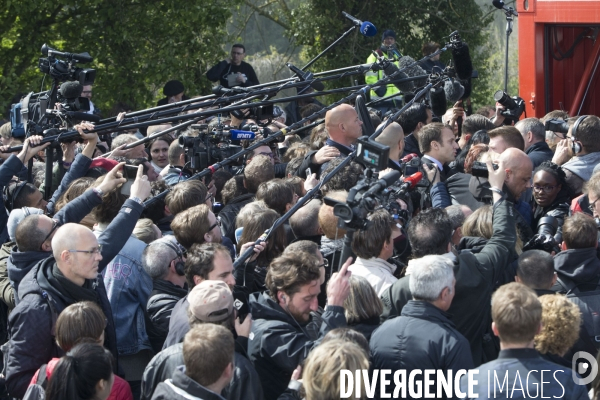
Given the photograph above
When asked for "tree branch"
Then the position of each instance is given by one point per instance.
(266, 15)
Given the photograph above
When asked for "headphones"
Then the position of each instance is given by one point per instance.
(179, 265)
(10, 196)
(576, 146)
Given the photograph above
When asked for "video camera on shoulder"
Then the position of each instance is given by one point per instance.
(557, 125)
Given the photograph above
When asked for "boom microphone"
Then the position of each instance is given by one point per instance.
(220, 90)
(454, 90)
(388, 180)
(366, 28)
(437, 101)
(306, 76)
(389, 68)
(70, 90)
(462, 61)
(413, 69)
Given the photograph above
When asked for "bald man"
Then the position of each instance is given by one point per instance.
(518, 168)
(393, 137)
(70, 276)
(343, 128)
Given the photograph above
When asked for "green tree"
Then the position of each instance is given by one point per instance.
(317, 23)
(137, 45)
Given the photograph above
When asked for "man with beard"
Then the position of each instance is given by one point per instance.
(280, 340)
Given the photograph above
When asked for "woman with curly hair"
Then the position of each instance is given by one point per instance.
(561, 322)
(551, 194)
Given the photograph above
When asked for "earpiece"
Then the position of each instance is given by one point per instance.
(179, 265)
(576, 146)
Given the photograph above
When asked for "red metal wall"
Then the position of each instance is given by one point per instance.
(569, 18)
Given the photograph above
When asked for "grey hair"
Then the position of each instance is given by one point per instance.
(305, 221)
(429, 276)
(457, 216)
(532, 125)
(247, 211)
(157, 257)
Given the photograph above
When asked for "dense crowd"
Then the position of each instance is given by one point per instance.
(489, 264)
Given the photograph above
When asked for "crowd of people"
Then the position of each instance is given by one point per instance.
(493, 265)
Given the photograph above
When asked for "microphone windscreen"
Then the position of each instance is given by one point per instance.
(391, 177)
(368, 29)
(414, 179)
(414, 70)
(437, 100)
(462, 61)
(454, 90)
(404, 87)
(499, 4)
(71, 90)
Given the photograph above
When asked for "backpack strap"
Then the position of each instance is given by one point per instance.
(42, 378)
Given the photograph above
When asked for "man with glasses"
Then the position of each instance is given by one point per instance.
(69, 276)
(234, 71)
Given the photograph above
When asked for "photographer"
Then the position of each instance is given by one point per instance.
(579, 165)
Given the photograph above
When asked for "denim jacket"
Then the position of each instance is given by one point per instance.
(128, 288)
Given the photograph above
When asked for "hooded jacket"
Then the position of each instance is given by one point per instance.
(33, 321)
(229, 213)
(278, 343)
(244, 385)
(575, 267)
(163, 298)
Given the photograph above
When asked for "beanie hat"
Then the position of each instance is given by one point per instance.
(388, 33)
(172, 88)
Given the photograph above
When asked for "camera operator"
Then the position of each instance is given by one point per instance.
(551, 194)
(579, 166)
(387, 49)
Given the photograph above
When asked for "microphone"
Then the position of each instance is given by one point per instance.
(389, 68)
(410, 182)
(461, 59)
(83, 116)
(499, 4)
(437, 100)
(408, 157)
(70, 90)
(219, 90)
(306, 76)
(454, 90)
(366, 28)
(388, 180)
(413, 69)
(236, 134)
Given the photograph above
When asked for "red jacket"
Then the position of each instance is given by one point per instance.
(120, 389)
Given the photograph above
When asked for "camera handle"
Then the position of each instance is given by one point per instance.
(346, 248)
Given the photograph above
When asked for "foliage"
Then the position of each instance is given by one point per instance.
(137, 45)
(317, 23)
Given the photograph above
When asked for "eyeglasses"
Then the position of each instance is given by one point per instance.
(55, 224)
(592, 205)
(95, 250)
(213, 226)
(545, 189)
(325, 263)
